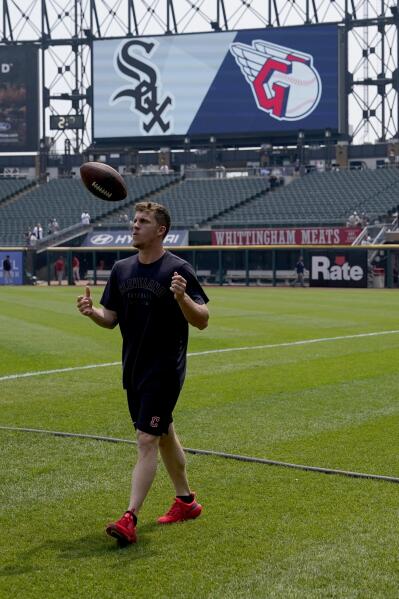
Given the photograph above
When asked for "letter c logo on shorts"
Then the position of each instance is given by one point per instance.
(155, 421)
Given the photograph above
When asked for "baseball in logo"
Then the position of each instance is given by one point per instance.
(132, 63)
(284, 81)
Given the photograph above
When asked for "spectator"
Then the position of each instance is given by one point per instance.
(85, 218)
(55, 227)
(7, 271)
(59, 268)
(38, 231)
(352, 220)
(32, 239)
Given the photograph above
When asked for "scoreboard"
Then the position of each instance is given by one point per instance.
(246, 84)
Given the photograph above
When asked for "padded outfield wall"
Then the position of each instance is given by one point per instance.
(327, 266)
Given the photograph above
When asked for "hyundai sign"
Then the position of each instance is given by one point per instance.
(234, 83)
(337, 268)
(123, 238)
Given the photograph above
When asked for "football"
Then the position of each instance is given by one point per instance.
(103, 181)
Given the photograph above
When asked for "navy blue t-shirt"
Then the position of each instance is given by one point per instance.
(300, 267)
(153, 328)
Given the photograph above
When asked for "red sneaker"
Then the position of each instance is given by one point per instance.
(124, 530)
(181, 511)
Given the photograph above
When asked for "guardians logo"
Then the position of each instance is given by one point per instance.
(284, 81)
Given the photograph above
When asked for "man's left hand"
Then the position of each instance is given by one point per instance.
(178, 286)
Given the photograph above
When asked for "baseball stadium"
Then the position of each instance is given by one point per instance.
(244, 242)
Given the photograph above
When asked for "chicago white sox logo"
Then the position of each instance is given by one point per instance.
(284, 82)
(145, 84)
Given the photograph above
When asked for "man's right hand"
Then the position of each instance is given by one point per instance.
(85, 303)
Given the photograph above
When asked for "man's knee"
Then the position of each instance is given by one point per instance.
(147, 443)
(168, 439)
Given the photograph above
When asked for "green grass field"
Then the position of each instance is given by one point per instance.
(266, 531)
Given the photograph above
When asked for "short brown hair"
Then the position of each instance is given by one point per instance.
(160, 212)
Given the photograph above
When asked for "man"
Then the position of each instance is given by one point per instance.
(153, 296)
(38, 231)
(85, 218)
(7, 271)
(59, 268)
(300, 273)
(75, 269)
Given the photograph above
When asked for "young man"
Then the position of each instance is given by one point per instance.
(153, 296)
(300, 273)
(75, 270)
(59, 268)
(7, 271)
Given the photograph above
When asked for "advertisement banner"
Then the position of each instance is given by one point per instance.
(286, 236)
(229, 83)
(15, 275)
(337, 268)
(123, 238)
(19, 98)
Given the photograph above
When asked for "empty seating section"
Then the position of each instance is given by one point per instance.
(320, 199)
(10, 187)
(195, 201)
(315, 199)
(65, 200)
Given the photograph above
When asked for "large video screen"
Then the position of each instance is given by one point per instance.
(238, 83)
(19, 118)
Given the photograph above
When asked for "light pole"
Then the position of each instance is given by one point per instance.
(43, 157)
(301, 137)
(212, 141)
(327, 135)
(186, 152)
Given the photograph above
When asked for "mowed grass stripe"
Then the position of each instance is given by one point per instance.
(238, 317)
(265, 532)
(219, 454)
(207, 352)
(255, 407)
(277, 534)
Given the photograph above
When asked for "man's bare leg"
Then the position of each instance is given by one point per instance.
(144, 470)
(175, 461)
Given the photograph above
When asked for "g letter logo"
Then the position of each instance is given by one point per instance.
(284, 82)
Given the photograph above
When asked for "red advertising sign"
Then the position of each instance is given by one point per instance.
(288, 236)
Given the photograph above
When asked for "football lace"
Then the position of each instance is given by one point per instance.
(98, 187)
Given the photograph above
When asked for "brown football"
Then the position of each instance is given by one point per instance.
(103, 181)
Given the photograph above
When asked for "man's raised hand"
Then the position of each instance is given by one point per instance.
(85, 303)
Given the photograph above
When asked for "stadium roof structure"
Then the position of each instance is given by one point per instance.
(65, 36)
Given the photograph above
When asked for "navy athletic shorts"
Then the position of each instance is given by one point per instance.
(151, 409)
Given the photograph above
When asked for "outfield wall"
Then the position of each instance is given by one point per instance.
(335, 266)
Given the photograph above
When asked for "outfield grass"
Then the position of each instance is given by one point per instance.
(266, 531)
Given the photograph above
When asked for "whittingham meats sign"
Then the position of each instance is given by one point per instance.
(286, 236)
